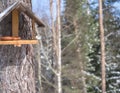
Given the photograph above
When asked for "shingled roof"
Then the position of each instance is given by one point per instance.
(21, 8)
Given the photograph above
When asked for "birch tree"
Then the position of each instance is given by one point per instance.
(59, 46)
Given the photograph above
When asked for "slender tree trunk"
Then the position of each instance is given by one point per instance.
(54, 43)
(102, 47)
(59, 46)
(16, 63)
(53, 26)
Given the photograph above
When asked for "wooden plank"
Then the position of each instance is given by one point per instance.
(18, 42)
(15, 22)
(33, 28)
(30, 14)
(22, 8)
(7, 11)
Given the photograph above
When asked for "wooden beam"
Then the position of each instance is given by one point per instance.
(33, 29)
(18, 42)
(15, 22)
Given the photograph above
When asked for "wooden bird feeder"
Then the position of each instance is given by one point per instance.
(15, 39)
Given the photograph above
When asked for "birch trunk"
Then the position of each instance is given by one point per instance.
(102, 47)
(16, 63)
(53, 26)
(59, 46)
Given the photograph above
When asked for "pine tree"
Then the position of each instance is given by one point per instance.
(74, 46)
(103, 69)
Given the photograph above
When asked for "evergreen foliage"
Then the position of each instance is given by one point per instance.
(86, 16)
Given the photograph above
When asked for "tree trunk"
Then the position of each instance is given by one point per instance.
(37, 68)
(16, 63)
(59, 81)
(102, 47)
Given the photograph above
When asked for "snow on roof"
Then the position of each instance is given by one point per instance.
(22, 8)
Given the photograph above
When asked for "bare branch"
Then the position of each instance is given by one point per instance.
(48, 82)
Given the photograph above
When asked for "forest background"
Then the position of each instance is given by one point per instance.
(68, 56)
(81, 71)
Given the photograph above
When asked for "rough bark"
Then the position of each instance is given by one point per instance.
(16, 63)
(37, 68)
(37, 60)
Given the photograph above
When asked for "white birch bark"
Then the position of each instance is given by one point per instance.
(59, 46)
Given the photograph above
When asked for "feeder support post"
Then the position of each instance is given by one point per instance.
(15, 22)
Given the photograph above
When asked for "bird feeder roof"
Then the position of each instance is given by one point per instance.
(21, 8)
